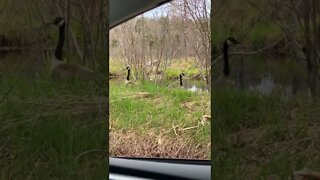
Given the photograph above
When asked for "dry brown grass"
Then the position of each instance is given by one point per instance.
(155, 145)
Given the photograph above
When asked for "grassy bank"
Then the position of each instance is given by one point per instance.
(148, 120)
(260, 137)
(52, 130)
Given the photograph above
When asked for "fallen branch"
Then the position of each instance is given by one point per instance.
(252, 52)
(307, 174)
(173, 84)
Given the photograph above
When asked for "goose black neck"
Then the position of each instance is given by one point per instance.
(180, 78)
(58, 52)
(128, 76)
(226, 70)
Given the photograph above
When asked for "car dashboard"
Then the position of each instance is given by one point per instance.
(156, 169)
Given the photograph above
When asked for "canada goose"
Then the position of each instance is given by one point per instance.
(180, 78)
(59, 68)
(226, 45)
(128, 75)
(128, 82)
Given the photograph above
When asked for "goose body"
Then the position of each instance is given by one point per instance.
(59, 68)
(128, 82)
(63, 70)
(223, 79)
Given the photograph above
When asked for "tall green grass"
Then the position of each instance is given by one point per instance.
(259, 137)
(160, 110)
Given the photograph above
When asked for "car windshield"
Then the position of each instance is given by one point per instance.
(159, 75)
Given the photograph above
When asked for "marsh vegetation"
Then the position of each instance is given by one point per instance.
(161, 115)
(266, 123)
(52, 129)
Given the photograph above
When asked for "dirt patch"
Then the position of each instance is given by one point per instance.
(244, 137)
(188, 105)
(203, 104)
(137, 95)
(155, 145)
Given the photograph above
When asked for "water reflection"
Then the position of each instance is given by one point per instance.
(195, 86)
(267, 74)
(267, 84)
(26, 64)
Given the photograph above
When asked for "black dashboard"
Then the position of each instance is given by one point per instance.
(156, 169)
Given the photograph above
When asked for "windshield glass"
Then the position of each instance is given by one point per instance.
(160, 83)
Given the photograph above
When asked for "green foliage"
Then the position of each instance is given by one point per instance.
(192, 71)
(172, 73)
(115, 67)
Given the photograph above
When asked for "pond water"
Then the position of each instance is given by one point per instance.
(188, 84)
(22, 63)
(267, 74)
(195, 85)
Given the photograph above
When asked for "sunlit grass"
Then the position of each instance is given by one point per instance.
(147, 107)
(164, 105)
